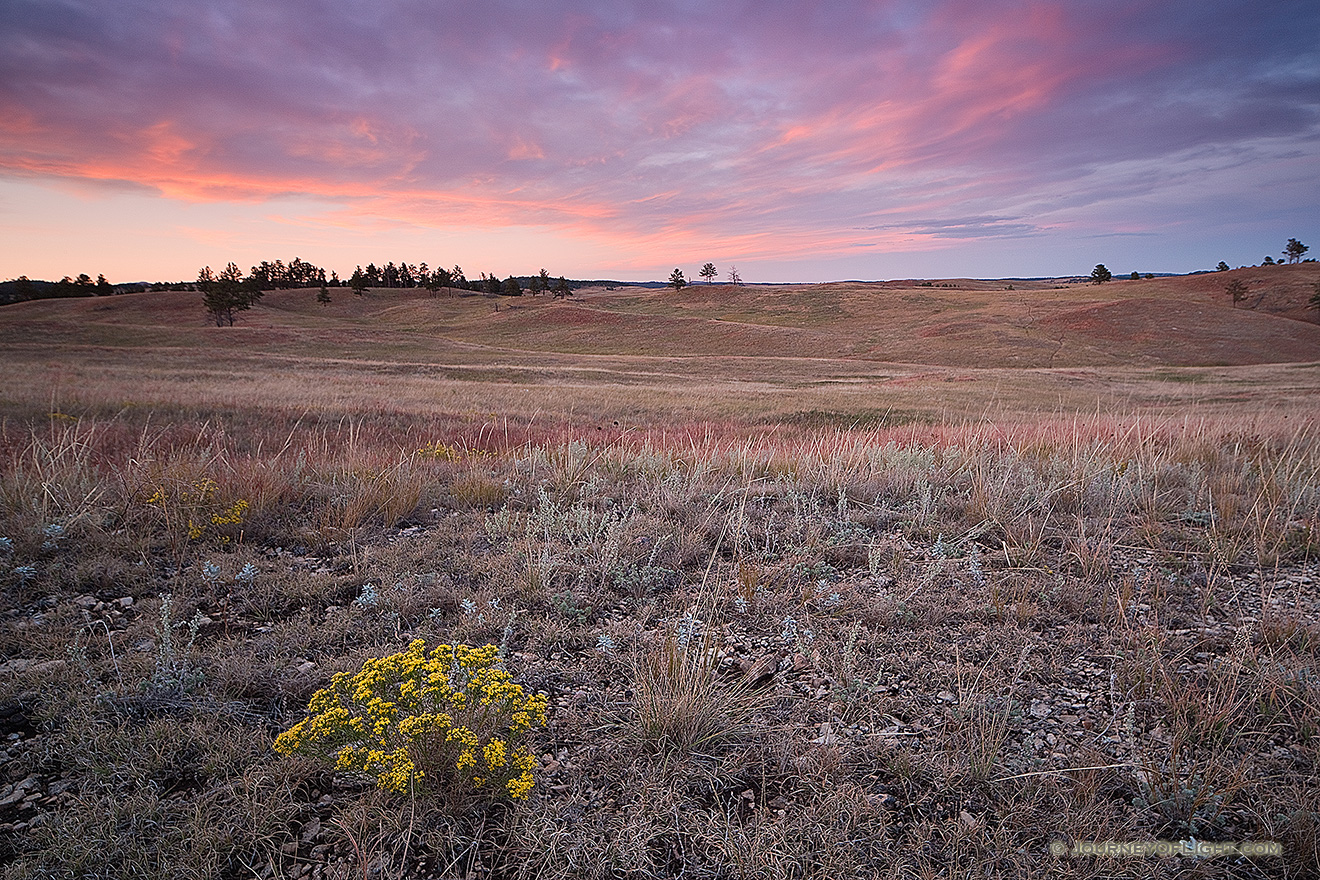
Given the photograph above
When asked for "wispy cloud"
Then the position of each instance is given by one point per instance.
(784, 129)
(966, 227)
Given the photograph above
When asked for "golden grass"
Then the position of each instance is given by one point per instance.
(838, 355)
(912, 558)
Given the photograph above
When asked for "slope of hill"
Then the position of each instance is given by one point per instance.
(1180, 321)
(953, 346)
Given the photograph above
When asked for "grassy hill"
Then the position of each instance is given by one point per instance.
(918, 579)
(953, 347)
(1177, 321)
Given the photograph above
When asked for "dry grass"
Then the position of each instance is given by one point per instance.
(681, 702)
(811, 356)
(948, 677)
(975, 622)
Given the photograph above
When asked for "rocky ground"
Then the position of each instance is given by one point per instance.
(927, 697)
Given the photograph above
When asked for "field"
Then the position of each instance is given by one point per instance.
(912, 579)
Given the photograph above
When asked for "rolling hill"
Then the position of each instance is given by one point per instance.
(759, 350)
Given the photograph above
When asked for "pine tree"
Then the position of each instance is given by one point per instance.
(358, 282)
(1236, 290)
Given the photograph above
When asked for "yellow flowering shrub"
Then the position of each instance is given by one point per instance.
(193, 507)
(417, 721)
(440, 451)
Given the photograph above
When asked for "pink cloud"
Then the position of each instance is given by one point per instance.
(779, 129)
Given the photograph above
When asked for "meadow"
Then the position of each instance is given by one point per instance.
(913, 579)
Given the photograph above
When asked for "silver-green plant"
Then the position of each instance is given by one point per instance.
(173, 672)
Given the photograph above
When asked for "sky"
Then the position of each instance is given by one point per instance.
(798, 140)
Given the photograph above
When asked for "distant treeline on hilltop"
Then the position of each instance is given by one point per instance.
(23, 288)
(298, 273)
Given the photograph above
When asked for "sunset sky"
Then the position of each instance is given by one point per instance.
(799, 141)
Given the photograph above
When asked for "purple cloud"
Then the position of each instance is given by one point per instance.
(758, 130)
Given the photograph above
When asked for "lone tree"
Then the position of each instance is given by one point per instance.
(562, 288)
(734, 277)
(1237, 289)
(677, 280)
(1099, 275)
(1135, 276)
(709, 272)
(1294, 250)
(227, 293)
(1222, 267)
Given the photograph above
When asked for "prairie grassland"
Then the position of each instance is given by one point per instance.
(794, 617)
(860, 354)
(918, 649)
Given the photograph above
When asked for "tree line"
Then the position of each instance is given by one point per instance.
(24, 288)
(230, 291)
(455, 279)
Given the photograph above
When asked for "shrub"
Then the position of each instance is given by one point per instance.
(448, 721)
(195, 508)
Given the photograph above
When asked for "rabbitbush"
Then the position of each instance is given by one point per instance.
(449, 720)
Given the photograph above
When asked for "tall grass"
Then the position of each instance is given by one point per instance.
(903, 597)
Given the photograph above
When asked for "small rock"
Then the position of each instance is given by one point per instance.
(19, 791)
(759, 671)
(827, 736)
